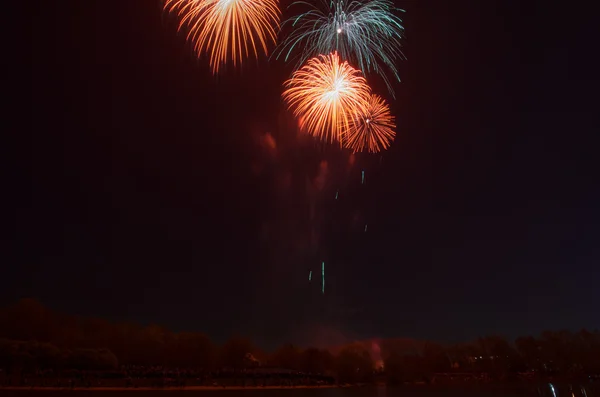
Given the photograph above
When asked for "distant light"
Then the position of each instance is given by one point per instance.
(339, 30)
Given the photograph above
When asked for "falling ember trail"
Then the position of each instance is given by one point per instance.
(363, 177)
(310, 275)
(365, 228)
(337, 194)
(323, 277)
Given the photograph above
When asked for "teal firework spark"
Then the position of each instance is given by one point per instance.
(365, 33)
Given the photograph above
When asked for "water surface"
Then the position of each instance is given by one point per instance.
(380, 391)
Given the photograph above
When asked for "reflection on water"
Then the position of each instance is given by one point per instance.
(542, 390)
(553, 390)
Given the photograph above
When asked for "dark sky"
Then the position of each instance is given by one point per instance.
(141, 187)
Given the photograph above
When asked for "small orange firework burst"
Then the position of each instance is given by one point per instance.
(372, 129)
(228, 30)
(325, 94)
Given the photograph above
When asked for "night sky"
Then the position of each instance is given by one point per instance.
(143, 188)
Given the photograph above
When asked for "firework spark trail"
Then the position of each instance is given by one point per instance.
(227, 30)
(323, 277)
(367, 34)
(326, 94)
(373, 129)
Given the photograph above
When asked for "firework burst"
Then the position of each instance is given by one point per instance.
(227, 30)
(372, 129)
(326, 94)
(367, 34)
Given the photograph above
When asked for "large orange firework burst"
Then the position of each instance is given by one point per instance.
(228, 30)
(325, 95)
(372, 128)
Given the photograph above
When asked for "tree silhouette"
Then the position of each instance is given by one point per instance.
(33, 337)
